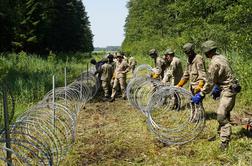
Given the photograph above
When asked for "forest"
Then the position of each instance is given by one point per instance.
(172, 23)
(41, 26)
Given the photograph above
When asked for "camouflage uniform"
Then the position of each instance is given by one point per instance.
(160, 65)
(120, 77)
(174, 72)
(132, 63)
(106, 76)
(196, 73)
(220, 73)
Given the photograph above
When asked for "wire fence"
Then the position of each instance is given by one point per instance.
(170, 114)
(45, 133)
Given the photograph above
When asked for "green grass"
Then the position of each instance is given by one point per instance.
(30, 77)
(117, 134)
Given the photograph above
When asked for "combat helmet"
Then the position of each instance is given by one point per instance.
(208, 46)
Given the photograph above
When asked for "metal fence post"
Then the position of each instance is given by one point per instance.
(6, 127)
(65, 72)
(53, 101)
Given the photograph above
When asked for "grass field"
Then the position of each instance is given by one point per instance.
(115, 133)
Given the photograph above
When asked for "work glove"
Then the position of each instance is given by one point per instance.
(181, 83)
(198, 88)
(196, 99)
(215, 92)
(154, 75)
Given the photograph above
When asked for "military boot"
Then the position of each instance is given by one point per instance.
(224, 146)
(112, 99)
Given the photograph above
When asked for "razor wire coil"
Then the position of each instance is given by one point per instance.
(44, 134)
(170, 113)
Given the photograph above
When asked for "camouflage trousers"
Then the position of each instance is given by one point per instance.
(106, 87)
(122, 82)
(227, 103)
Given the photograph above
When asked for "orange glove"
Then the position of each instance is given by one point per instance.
(181, 83)
(198, 88)
(154, 75)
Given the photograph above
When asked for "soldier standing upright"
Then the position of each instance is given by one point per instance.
(226, 86)
(174, 71)
(132, 63)
(106, 76)
(121, 70)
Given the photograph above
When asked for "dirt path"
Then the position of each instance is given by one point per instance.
(116, 134)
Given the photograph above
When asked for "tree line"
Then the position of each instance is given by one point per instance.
(41, 26)
(172, 23)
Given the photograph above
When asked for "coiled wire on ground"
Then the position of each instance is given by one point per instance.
(171, 115)
(44, 134)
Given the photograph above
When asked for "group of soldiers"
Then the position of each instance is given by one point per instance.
(219, 80)
(112, 72)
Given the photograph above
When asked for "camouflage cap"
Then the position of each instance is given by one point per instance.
(208, 46)
(153, 51)
(188, 47)
(168, 51)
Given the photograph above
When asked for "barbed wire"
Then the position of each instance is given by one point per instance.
(171, 115)
(44, 134)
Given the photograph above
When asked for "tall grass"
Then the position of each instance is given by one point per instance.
(30, 77)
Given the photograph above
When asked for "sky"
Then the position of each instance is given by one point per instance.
(107, 18)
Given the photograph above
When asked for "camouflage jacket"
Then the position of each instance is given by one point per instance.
(121, 69)
(174, 72)
(107, 72)
(195, 71)
(219, 73)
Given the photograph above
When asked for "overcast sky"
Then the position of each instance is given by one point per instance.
(107, 19)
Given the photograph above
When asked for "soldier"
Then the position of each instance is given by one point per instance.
(226, 86)
(97, 69)
(160, 64)
(195, 70)
(106, 75)
(121, 70)
(132, 63)
(113, 64)
(174, 71)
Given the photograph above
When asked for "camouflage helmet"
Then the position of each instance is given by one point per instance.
(110, 56)
(168, 51)
(188, 47)
(208, 46)
(153, 51)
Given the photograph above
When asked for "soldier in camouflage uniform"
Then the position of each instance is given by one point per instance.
(226, 86)
(174, 71)
(106, 76)
(113, 64)
(121, 70)
(160, 65)
(132, 63)
(195, 70)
